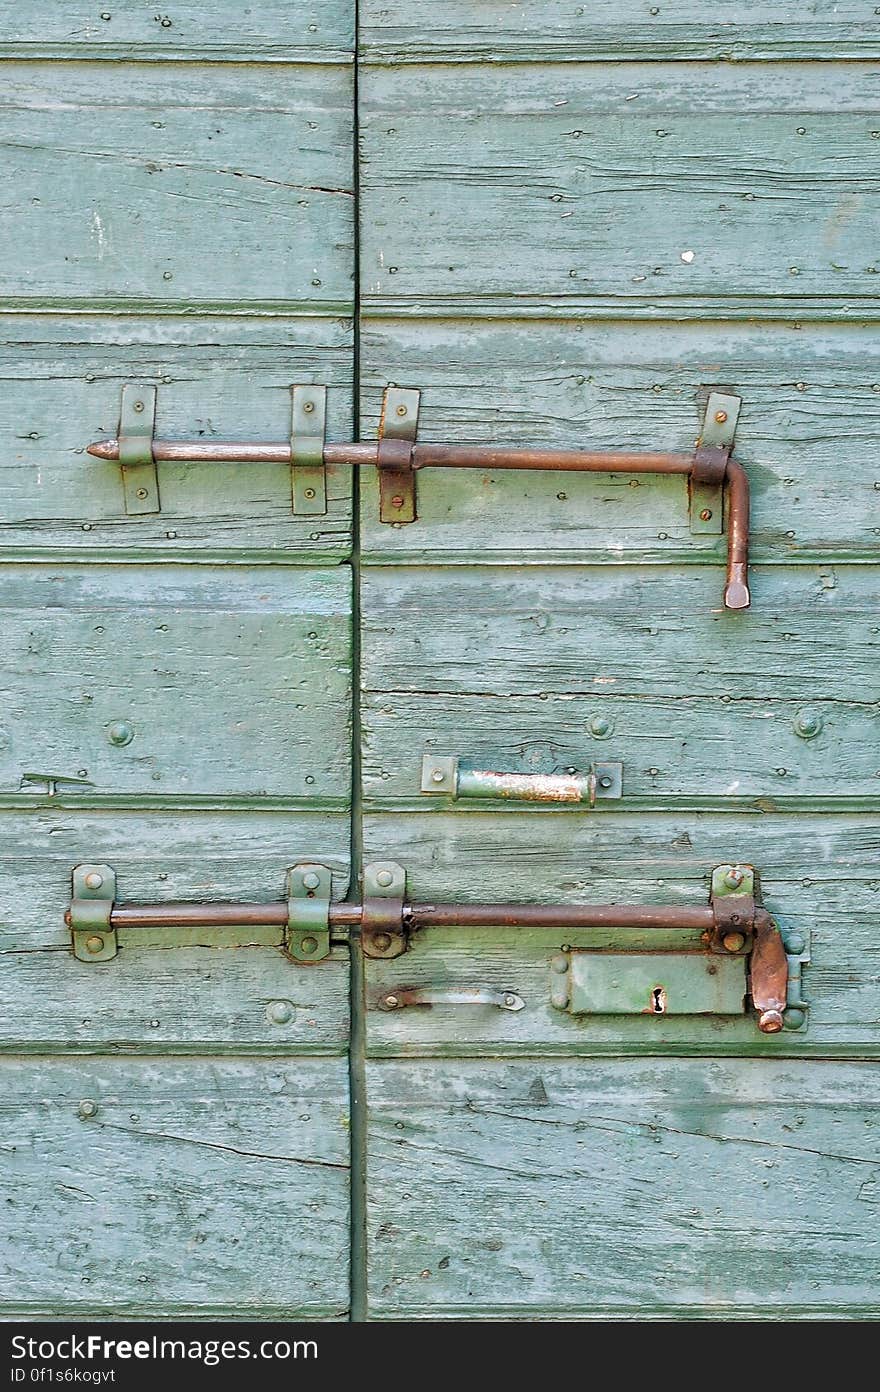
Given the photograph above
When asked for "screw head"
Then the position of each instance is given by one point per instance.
(795, 942)
(600, 726)
(509, 999)
(93, 880)
(401, 410)
(392, 1002)
(381, 942)
(308, 493)
(138, 406)
(397, 501)
(733, 942)
(120, 732)
(141, 492)
(437, 776)
(94, 944)
(385, 878)
(706, 515)
(87, 1109)
(794, 1018)
(311, 880)
(721, 417)
(308, 407)
(807, 723)
(280, 1012)
(605, 781)
(734, 878)
(308, 945)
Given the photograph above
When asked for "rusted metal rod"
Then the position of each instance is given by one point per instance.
(428, 456)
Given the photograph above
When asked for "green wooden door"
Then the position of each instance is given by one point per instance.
(576, 220)
(177, 697)
(571, 222)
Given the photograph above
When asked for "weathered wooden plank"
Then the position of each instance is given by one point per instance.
(181, 1189)
(499, 31)
(137, 185)
(818, 876)
(270, 31)
(180, 681)
(808, 435)
(202, 1000)
(223, 377)
(546, 670)
(617, 180)
(627, 1188)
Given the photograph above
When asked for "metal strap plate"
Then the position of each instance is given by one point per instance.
(308, 479)
(718, 432)
(397, 487)
(137, 423)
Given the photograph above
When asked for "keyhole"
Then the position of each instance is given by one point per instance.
(658, 1001)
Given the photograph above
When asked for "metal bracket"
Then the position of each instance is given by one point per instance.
(383, 928)
(94, 889)
(450, 995)
(443, 775)
(137, 423)
(308, 478)
(710, 462)
(732, 897)
(397, 433)
(797, 952)
(308, 913)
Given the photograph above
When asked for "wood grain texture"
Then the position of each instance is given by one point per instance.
(270, 31)
(222, 377)
(497, 31)
(181, 1193)
(230, 682)
(808, 435)
(509, 668)
(818, 875)
(191, 186)
(627, 1188)
(192, 999)
(572, 181)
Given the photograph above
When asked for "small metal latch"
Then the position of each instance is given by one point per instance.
(445, 776)
(308, 480)
(710, 462)
(308, 912)
(92, 935)
(450, 995)
(397, 433)
(137, 423)
(384, 930)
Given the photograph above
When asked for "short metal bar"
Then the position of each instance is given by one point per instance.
(447, 995)
(699, 918)
(526, 787)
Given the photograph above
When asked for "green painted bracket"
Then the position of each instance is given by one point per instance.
(717, 434)
(384, 890)
(397, 480)
(308, 477)
(308, 913)
(94, 889)
(137, 424)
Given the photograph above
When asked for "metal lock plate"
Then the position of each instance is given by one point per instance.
(654, 983)
(397, 487)
(383, 932)
(719, 429)
(137, 422)
(307, 475)
(92, 936)
(308, 912)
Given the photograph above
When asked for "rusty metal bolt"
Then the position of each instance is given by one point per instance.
(381, 942)
(721, 417)
(397, 501)
(141, 492)
(734, 878)
(392, 1002)
(733, 941)
(706, 515)
(308, 945)
(94, 944)
(770, 1022)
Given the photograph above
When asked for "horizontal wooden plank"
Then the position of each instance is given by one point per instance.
(195, 999)
(183, 184)
(62, 379)
(401, 31)
(808, 435)
(193, 30)
(179, 1191)
(547, 670)
(178, 680)
(625, 1188)
(818, 876)
(615, 180)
